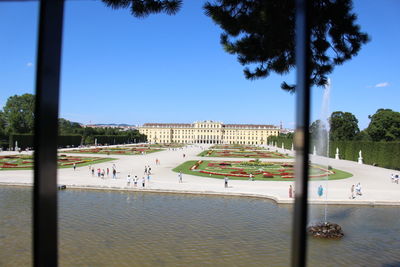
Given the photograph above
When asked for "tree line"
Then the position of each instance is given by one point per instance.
(379, 142)
(384, 126)
(18, 115)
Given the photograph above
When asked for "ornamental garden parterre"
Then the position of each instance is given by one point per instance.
(266, 171)
(243, 154)
(25, 162)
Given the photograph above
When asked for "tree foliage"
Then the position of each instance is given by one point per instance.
(19, 113)
(344, 126)
(262, 35)
(2, 128)
(143, 8)
(384, 125)
(318, 129)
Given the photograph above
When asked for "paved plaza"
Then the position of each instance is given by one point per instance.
(377, 187)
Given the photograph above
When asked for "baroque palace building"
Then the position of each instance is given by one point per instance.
(208, 132)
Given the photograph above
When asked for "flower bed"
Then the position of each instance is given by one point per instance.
(26, 162)
(256, 169)
(243, 154)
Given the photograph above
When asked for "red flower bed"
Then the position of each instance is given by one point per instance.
(9, 164)
(239, 172)
(225, 174)
(16, 167)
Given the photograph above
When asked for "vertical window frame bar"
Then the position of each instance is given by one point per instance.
(302, 136)
(45, 234)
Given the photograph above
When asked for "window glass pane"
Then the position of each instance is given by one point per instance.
(18, 31)
(357, 196)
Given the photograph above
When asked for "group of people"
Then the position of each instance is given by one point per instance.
(355, 191)
(395, 178)
(102, 173)
(135, 181)
(147, 170)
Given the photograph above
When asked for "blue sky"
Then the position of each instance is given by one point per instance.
(116, 68)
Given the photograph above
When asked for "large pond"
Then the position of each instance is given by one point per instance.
(100, 228)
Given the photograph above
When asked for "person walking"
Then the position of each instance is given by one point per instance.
(320, 191)
(114, 174)
(358, 189)
(108, 172)
(149, 170)
(290, 191)
(251, 177)
(135, 181)
(92, 171)
(128, 180)
(226, 181)
(145, 169)
(143, 182)
(148, 178)
(74, 166)
(180, 177)
(352, 192)
(98, 172)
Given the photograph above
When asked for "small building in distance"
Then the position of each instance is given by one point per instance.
(208, 132)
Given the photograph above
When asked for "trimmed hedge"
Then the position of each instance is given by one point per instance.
(382, 154)
(23, 140)
(26, 140)
(287, 143)
(112, 139)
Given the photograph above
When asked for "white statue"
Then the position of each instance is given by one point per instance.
(360, 159)
(337, 153)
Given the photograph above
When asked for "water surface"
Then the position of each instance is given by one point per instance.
(100, 228)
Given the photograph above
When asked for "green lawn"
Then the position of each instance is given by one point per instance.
(315, 170)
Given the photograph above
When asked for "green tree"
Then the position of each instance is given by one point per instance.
(344, 126)
(286, 135)
(262, 35)
(66, 127)
(2, 126)
(143, 8)
(19, 113)
(384, 125)
(317, 128)
(363, 136)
